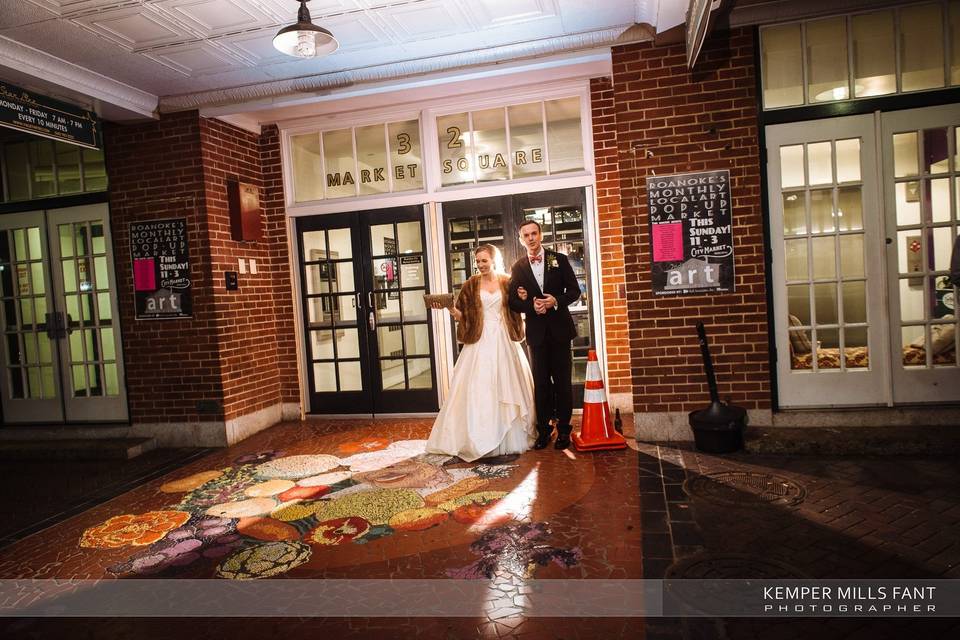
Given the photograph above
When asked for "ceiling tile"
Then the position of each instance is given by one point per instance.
(21, 13)
(134, 28)
(256, 46)
(356, 31)
(212, 18)
(495, 13)
(425, 20)
(286, 10)
(196, 59)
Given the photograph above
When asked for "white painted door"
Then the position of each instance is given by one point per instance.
(61, 338)
(826, 231)
(921, 186)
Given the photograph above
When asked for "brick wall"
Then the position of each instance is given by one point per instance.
(611, 235)
(669, 120)
(238, 348)
(156, 172)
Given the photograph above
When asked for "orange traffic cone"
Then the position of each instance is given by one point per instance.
(596, 430)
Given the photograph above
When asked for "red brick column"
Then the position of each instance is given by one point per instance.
(610, 220)
(670, 120)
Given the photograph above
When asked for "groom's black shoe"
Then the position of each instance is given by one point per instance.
(543, 439)
(563, 441)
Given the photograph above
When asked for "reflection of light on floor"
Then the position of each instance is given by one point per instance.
(516, 505)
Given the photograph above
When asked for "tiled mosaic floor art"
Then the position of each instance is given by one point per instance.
(360, 499)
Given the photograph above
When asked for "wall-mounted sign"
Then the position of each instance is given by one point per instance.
(691, 230)
(42, 116)
(161, 269)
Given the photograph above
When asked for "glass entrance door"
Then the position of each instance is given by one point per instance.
(495, 220)
(369, 343)
(862, 230)
(62, 355)
(921, 181)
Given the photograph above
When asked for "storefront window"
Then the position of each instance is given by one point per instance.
(41, 168)
(921, 56)
(564, 143)
(782, 66)
(891, 51)
(827, 60)
(544, 138)
(526, 140)
(364, 161)
(874, 54)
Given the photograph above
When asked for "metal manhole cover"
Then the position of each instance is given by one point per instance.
(745, 488)
(732, 566)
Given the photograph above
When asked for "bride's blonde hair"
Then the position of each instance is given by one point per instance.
(495, 256)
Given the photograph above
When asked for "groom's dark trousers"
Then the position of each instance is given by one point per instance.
(549, 336)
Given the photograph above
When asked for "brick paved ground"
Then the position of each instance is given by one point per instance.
(630, 513)
(860, 518)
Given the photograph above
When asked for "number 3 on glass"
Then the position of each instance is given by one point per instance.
(403, 144)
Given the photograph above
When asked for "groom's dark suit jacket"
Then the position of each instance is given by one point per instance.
(559, 281)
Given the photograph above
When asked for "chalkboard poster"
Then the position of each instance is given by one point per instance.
(691, 230)
(161, 269)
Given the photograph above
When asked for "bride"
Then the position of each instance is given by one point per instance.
(489, 410)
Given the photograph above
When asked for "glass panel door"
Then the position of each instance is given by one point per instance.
(369, 344)
(333, 312)
(81, 252)
(470, 223)
(62, 347)
(921, 174)
(400, 335)
(828, 291)
(30, 379)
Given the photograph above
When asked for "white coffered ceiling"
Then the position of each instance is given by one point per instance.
(133, 58)
(195, 52)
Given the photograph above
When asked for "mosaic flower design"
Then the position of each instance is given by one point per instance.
(325, 479)
(243, 508)
(396, 452)
(201, 536)
(129, 529)
(258, 457)
(461, 488)
(294, 511)
(294, 467)
(264, 560)
(480, 498)
(408, 474)
(516, 549)
(376, 507)
(228, 487)
(418, 519)
(363, 445)
(268, 529)
(268, 488)
(338, 531)
(303, 493)
(494, 471)
(190, 482)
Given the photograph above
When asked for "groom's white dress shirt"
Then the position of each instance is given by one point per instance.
(538, 268)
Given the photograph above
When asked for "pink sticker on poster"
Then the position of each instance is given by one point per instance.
(668, 241)
(144, 275)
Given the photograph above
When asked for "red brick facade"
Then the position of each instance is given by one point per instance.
(235, 356)
(606, 161)
(669, 120)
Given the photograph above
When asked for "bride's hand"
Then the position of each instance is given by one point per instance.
(521, 293)
(456, 314)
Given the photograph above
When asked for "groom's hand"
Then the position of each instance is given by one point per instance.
(544, 304)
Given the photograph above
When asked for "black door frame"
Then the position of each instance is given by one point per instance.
(372, 399)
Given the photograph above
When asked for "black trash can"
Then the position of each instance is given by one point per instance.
(718, 428)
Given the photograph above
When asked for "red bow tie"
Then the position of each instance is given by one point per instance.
(536, 259)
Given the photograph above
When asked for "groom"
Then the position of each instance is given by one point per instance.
(542, 286)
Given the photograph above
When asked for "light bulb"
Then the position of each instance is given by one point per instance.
(306, 48)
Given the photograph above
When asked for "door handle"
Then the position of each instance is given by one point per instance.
(67, 329)
(372, 321)
(56, 326)
(358, 301)
(370, 299)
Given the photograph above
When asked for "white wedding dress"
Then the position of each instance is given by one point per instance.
(489, 410)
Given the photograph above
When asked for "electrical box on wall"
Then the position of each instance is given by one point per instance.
(244, 202)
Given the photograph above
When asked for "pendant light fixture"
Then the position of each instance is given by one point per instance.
(305, 39)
